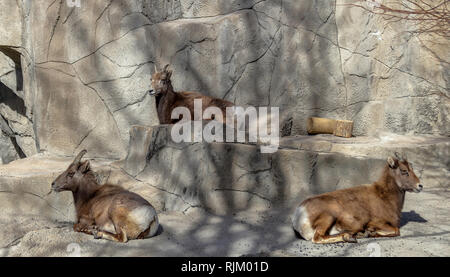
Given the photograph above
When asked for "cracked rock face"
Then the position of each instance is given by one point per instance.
(17, 139)
(224, 178)
(86, 69)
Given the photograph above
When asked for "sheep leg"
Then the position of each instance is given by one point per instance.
(342, 237)
(322, 225)
(83, 228)
(146, 232)
(387, 232)
(121, 236)
(84, 225)
(362, 235)
(383, 230)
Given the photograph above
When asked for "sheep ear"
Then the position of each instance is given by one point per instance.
(392, 162)
(168, 74)
(165, 68)
(84, 167)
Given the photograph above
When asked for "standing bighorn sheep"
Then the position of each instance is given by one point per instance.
(106, 211)
(363, 211)
(167, 99)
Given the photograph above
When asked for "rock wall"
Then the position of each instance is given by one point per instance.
(17, 134)
(85, 70)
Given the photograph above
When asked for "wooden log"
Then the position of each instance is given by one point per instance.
(340, 128)
(343, 128)
(317, 125)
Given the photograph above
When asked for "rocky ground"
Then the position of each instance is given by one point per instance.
(425, 231)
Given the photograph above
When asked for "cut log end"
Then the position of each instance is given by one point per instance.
(344, 128)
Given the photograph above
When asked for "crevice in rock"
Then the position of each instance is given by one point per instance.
(98, 95)
(341, 62)
(34, 195)
(10, 98)
(70, 13)
(104, 10)
(84, 138)
(163, 190)
(15, 56)
(17, 148)
(244, 191)
(140, 100)
(250, 62)
(313, 171)
(54, 28)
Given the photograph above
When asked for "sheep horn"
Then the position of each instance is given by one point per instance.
(404, 157)
(79, 156)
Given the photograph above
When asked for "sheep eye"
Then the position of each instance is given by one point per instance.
(405, 172)
(71, 174)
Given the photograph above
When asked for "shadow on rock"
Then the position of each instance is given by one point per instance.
(411, 216)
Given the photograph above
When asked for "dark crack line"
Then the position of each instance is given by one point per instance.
(54, 28)
(35, 195)
(143, 26)
(58, 70)
(70, 13)
(341, 62)
(51, 5)
(250, 62)
(7, 73)
(161, 189)
(104, 10)
(101, 99)
(122, 77)
(244, 191)
(140, 100)
(84, 138)
(17, 240)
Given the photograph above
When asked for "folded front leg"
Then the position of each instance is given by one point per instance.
(383, 229)
(85, 225)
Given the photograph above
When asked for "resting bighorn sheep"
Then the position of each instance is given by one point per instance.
(363, 211)
(167, 99)
(106, 211)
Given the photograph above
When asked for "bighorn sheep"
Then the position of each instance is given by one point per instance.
(363, 211)
(167, 99)
(106, 211)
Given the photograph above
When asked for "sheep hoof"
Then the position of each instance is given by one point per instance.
(349, 238)
(96, 234)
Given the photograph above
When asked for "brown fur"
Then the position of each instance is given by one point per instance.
(167, 99)
(363, 211)
(98, 207)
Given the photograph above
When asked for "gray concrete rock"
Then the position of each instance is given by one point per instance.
(11, 27)
(8, 151)
(17, 139)
(224, 178)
